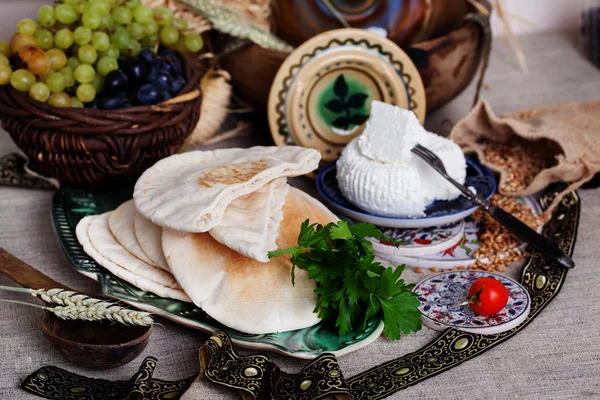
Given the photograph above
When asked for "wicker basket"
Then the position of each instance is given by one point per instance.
(100, 148)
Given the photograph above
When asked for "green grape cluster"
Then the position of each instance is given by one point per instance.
(64, 56)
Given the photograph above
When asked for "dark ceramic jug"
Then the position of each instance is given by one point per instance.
(405, 21)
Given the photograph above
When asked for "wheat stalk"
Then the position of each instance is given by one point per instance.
(76, 306)
(227, 20)
(97, 312)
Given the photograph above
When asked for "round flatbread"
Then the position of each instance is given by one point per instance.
(98, 242)
(189, 192)
(149, 236)
(243, 293)
(250, 224)
(120, 222)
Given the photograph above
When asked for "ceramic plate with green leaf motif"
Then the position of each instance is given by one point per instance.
(322, 93)
(71, 204)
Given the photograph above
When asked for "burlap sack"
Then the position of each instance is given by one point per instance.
(572, 130)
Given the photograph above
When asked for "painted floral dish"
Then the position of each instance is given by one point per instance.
(71, 204)
(459, 254)
(436, 214)
(321, 95)
(441, 294)
(419, 241)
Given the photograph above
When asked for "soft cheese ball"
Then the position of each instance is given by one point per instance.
(378, 173)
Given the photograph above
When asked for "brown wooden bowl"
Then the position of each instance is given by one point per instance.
(95, 344)
(100, 148)
(447, 64)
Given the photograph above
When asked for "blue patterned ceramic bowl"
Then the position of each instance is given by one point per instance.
(437, 213)
(442, 297)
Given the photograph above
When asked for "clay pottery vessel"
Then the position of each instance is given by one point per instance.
(405, 21)
(96, 344)
(447, 61)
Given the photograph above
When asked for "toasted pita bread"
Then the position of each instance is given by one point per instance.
(98, 242)
(240, 292)
(149, 238)
(120, 222)
(189, 192)
(250, 224)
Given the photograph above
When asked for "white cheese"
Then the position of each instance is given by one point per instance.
(378, 173)
(390, 133)
(378, 188)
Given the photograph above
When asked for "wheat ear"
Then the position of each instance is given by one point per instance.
(226, 20)
(72, 305)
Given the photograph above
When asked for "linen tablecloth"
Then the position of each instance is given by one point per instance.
(557, 356)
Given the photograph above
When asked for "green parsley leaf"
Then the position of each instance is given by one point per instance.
(373, 309)
(306, 232)
(340, 231)
(353, 287)
(294, 251)
(373, 274)
(400, 314)
(344, 320)
(363, 230)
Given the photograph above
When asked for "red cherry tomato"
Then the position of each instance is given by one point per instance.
(487, 296)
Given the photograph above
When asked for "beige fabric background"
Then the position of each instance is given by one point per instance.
(556, 357)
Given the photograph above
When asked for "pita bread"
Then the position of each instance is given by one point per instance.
(189, 192)
(120, 222)
(149, 238)
(250, 224)
(243, 293)
(98, 242)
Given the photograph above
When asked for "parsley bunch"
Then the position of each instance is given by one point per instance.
(351, 286)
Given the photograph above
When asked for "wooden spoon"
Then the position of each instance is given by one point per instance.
(85, 343)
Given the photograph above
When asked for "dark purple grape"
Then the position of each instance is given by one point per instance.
(172, 59)
(115, 79)
(148, 94)
(110, 103)
(92, 104)
(164, 66)
(163, 95)
(163, 80)
(148, 56)
(135, 69)
(152, 74)
(178, 84)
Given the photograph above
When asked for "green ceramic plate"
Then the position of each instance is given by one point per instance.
(70, 205)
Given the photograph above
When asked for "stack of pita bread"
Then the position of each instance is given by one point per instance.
(199, 229)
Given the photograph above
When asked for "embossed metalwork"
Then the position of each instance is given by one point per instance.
(56, 383)
(13, 173)
(221, 364)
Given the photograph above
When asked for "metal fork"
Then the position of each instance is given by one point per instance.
(517, 227)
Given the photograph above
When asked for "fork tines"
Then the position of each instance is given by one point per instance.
(429, 157)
